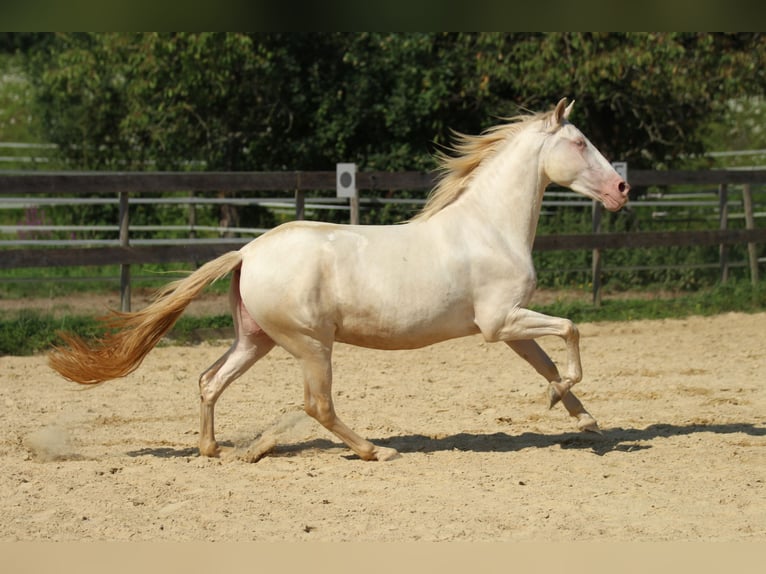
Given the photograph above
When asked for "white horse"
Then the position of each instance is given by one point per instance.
(462, 266)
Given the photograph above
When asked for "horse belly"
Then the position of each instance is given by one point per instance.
(403, 341)
(402, 326)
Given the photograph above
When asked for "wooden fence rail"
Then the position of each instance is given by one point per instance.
(202, 250)
(125, 184)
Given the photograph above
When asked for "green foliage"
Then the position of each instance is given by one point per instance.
(265, 101)
(11, 42)
(642, 97)
(17, 121)
(740, 128)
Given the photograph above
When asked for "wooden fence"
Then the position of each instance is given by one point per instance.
(24, 187)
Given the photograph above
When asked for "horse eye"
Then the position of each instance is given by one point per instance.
(580, 143)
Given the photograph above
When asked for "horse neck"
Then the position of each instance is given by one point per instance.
(506, 193)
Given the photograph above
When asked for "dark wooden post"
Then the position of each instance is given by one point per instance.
(353, 203)
(192, 216)
(300, 204)
(752, 248)
(124, 242)
(598, 210)
(723, 223)
(300, 198)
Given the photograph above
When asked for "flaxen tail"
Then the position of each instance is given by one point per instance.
(133, 335)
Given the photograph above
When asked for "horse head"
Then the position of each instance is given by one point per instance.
(572, 161)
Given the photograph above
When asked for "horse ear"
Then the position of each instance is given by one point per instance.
(560, 114)
(568, 110)
(562, 110)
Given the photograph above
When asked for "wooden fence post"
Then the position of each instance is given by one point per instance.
(723, 223)
(353, 203)
(300, 204)
(598, 210)
(192, 217)
(124, 242)
(752, 248)
(300, 198)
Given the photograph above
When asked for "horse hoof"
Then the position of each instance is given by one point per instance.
(588, 424)
(553, 396)
(227, 453)
(384, 453)
(557, 391)
(263, 446)
(211, 450)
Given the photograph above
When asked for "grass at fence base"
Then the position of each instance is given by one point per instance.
(51, 282)
(733, 296)
(28, 332)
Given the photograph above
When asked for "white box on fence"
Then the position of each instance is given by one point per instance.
(345, 179)
(621, 167)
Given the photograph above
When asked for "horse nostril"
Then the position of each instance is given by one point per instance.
(623, 187)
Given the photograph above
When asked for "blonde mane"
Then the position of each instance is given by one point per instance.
(470, 151)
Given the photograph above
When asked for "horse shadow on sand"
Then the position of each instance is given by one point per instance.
(610, 440)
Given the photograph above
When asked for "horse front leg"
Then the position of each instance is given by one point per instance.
(531, 352)
(523, 324)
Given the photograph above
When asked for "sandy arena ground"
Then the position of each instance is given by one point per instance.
(682, 457)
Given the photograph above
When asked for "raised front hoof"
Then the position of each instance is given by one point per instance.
(556, 392)
(553, 397)
(587, 423)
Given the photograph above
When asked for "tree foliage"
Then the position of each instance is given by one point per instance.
(262, 101)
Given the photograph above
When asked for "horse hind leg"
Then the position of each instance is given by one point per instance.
(239, 358)
(530, 351)
(316, 361)
(251, 344)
